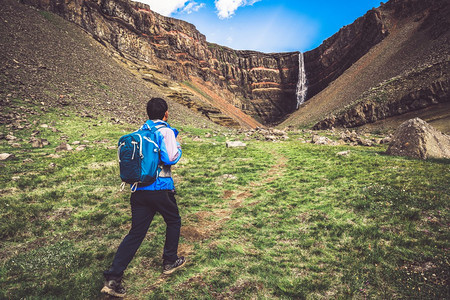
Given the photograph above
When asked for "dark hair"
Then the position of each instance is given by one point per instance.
(156, 108)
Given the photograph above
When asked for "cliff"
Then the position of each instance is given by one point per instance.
(242, 88)
(262, 85)
(358, 81)
(336, 54)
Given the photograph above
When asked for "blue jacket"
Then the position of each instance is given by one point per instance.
(170, 154)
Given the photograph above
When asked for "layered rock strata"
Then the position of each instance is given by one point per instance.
(415, 90)
(264, 83)
(261, 85)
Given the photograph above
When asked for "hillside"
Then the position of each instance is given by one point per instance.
(49, 62)
(403, 76)
(248, 88)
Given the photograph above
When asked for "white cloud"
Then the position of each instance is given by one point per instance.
(167, 7)
(227, 8)
(192, 7)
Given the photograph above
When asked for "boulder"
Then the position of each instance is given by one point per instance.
(365, 142)
(343, 153)
(63, 147)
(38, 143)
(322, 140)
(416, 138)
(5, 156)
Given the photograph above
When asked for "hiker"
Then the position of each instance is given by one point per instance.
(147, 200)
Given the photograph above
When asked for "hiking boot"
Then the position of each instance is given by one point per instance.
(170, 267)
(114, 287)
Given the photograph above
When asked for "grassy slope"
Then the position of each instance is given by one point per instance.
(276, 220)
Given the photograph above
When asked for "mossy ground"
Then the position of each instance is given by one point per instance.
(274, 220)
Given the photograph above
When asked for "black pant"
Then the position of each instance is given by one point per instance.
(144, 205)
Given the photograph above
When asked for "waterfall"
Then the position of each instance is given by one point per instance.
(301, 84)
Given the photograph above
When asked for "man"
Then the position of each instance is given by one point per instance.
(147, 200)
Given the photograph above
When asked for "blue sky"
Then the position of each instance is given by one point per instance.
(265, 25)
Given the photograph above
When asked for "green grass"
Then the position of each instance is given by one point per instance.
(275, 220)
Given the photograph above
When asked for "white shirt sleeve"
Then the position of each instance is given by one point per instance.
(171, 143)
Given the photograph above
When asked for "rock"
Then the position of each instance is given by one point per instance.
(349, 137)
(16, 145)
(386, 140)
(365, 142)
(81, 148)
(343, 153)
(235, 144)
(416, 138)
(5, 156)
(10, 137)
(28, 160)
(278, 132)
(44, 126)
(38, 143)
(228, 177)
(322, 140)
(63, 147)
(76, 143)
(54, 156)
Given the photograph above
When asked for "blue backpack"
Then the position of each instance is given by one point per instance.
(138, 155)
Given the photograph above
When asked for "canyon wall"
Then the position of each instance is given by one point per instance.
(336, 54)
(413, 91)
(264, 84)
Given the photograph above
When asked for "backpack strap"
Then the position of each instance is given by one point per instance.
(155, 126)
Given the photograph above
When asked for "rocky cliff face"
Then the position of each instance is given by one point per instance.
(264, 83)
(336, 54)
(261, 85)
(416, 90)
(391, 62)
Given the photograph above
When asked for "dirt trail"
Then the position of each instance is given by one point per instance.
(206, 228)
(210, 222)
